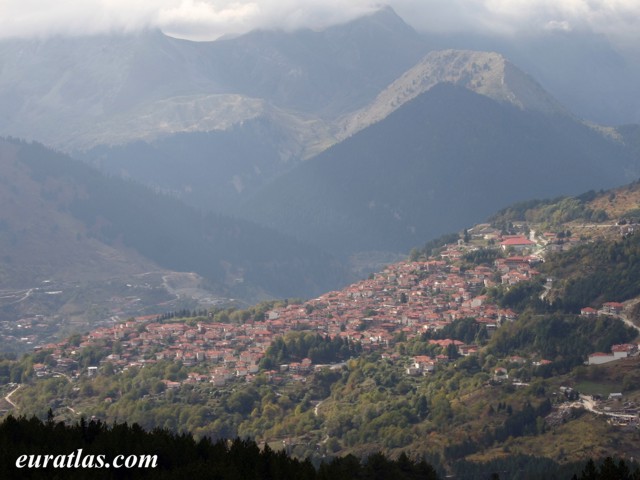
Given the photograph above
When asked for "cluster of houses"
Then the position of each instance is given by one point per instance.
(29, 330)
(544, 242)
(608, 308)
(407, 299)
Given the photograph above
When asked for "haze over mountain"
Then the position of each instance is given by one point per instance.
(441, 161)
(62, 220)
(587, 73)
(584, 52)
(486, 73)
(41, 240)
(425, 139)
(213, 122)
(136, 105)
(78, 92)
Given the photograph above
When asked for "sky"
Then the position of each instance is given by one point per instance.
(209, 19)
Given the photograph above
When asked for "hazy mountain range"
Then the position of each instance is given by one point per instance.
(361, 137)
(438, 163)
(79, 92)
(64, 220)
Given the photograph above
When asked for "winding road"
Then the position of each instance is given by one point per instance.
(8, 396)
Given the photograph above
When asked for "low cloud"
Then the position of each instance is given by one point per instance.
(198, 19)
(562, 26)
(209, 19)
(615, 18)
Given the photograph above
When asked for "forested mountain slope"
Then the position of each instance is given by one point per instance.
(446, 159)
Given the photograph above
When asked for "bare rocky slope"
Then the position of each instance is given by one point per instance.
(486, 73)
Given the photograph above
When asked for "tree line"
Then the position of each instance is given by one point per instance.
(178, 455)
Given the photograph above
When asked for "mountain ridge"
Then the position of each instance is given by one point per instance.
(54, 88)
(446, 158)
(486, 73)
(68, 218)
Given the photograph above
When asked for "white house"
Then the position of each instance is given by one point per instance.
(599, 358)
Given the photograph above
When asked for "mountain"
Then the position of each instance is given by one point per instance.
(328, 72)
(210, 122)
(40, 240)
(630, 136)
(75, 93)
(78, 92)
(441, 161)
(215, 122)
(604, 94)
(586, 71)
(213, 170)
(69, 222)
(55, 90)
(486, 73)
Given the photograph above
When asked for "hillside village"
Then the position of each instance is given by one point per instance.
(407, 299)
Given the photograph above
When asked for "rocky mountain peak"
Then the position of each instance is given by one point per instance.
(486, 73)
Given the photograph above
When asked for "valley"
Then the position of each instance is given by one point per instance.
(361, 248)
(53, 310)
(457, 335)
